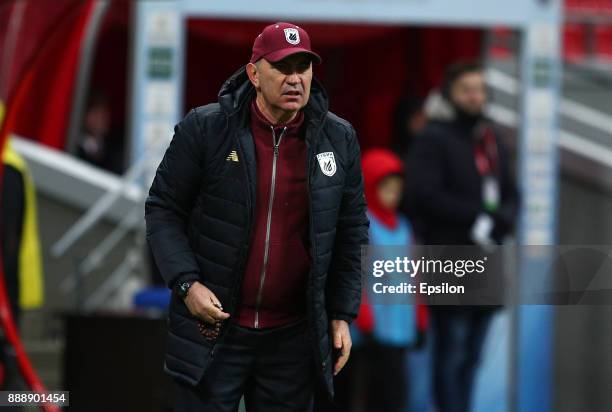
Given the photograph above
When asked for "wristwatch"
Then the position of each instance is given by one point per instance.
(182, 289)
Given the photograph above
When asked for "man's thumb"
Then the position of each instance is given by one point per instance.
(337, 340)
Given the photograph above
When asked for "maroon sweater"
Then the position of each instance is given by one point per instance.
(274, 286)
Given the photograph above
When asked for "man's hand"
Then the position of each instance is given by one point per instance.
(203, 304)
(342, 343)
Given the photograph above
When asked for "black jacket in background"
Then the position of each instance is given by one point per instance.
(444, 187)
(199, 217)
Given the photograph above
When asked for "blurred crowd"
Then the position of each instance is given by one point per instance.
(446, 180)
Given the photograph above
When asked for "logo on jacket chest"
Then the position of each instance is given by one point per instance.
(327, 163)
(232, 157)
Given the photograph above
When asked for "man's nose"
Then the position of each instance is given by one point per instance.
(293, 78)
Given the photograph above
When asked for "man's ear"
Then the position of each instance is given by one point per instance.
(253, 74)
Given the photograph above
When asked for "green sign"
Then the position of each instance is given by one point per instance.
(160, 63)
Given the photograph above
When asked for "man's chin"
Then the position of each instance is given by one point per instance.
(473, 111)
(291, 107)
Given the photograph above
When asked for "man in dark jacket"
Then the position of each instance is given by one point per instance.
(255, 219)
(461, 192)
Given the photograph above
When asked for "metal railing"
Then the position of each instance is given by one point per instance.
(570, 109)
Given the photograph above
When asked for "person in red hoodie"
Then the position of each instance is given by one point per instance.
(383, 331)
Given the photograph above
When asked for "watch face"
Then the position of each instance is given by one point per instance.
(184, 288)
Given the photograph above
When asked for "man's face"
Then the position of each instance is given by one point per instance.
(97, 120)
(284, 85)
(415, 123)
(468, 92)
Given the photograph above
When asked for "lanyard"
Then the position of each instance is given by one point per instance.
(485, 152)
(486, 157)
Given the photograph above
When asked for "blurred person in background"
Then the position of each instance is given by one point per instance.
(21, 258)
(98, 145)
(462, 191)
(255, 218)
(376, 379)
(408, 121)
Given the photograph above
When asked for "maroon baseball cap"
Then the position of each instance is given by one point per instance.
(280, 40)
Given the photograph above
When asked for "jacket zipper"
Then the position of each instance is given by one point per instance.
(311, 152)
(262, 278)
(250, 214)
(243, 254)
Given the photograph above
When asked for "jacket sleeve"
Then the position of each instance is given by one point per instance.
(344, 275)
(170, 201)
(425, 189)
